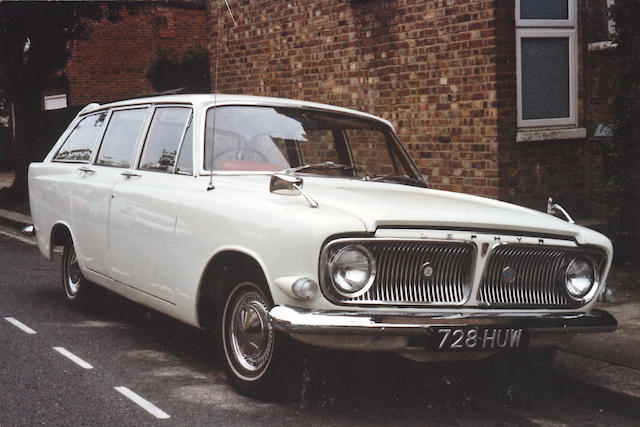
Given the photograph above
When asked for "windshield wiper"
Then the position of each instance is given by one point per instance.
(396, 178)
(323, 165)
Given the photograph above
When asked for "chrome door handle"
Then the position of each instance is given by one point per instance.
(130, 174)
(85, 169)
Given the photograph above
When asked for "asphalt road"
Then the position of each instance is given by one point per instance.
(124, 348)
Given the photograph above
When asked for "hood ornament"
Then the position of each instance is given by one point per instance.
(556, 210)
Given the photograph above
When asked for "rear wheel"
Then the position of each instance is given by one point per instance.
(253, 352)
(76, 287)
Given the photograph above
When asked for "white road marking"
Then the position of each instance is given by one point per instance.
(20, 325)
(75, 359)
(143, 403)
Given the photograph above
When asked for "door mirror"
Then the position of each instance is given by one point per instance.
(285, 184)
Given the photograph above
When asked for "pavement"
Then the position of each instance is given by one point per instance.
(610, 361)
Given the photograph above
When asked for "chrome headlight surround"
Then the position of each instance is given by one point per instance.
(352, 270)
(581, 278)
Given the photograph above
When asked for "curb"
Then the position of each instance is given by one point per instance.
(14, 219)
(620, 380)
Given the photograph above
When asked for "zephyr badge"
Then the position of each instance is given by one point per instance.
(509, 274)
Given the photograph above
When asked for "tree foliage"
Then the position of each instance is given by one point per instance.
(34, 43)
(190, 71)
(622, 160)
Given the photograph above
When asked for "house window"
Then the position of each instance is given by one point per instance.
(547, 56)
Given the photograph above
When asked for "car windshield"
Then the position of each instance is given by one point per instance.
(250, 138)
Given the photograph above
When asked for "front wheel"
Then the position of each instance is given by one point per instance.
(252, 350)
(76, 287)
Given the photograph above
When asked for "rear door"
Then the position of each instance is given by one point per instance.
(92, 193)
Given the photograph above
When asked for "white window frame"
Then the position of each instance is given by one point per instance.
(549, 28)
(571, 21)
(573, 76)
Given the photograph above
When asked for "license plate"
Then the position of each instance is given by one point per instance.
(480, 338)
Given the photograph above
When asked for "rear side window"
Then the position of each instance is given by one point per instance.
(120, 138)
(163, 140)
(185, 159)
(80, 143)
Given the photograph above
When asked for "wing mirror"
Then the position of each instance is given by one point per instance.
(289, 185)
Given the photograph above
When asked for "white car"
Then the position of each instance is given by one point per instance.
(267, 219)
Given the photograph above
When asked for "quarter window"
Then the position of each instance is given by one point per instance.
(546, 50)
(120, 138)
(164, 138)
(79, 144)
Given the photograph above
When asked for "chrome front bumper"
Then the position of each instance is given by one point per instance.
(394, 331)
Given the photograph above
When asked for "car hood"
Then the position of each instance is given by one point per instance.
(380, 204)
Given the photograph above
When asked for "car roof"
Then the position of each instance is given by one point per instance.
(209, 100)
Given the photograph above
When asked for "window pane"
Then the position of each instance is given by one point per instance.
(371, 152)
(545, 78)
(120, 138)
(318, 146)
(163, 139)
(275, 138)
(544, 9)
(248, 138)
(79, 145)
(185, 159)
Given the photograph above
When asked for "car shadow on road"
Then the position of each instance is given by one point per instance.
(330, 377)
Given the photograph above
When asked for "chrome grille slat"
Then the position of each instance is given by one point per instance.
(537, 282)
(399, 280)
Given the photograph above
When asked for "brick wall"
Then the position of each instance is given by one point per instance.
(427, 66)
(570, 171)
(111, 64)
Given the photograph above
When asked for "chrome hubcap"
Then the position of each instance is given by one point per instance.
(251, 334)
(73, 274)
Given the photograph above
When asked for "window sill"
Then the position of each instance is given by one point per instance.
(550, 134)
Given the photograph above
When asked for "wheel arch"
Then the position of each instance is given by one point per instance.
(221, 268)
(60, 233)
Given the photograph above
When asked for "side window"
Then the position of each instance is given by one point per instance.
(185, 159)
(120, 138)
(164, 137)
(79, 144)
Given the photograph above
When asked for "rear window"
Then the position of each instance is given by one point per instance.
(81, 141)
(120, 138)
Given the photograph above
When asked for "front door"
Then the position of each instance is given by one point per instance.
(143, 213)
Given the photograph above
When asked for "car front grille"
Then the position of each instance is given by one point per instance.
(537, 279)
(400, 279)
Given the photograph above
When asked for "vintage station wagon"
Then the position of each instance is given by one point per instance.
(272, 222)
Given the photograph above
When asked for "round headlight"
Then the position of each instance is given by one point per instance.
(352, 270)
(580, 277)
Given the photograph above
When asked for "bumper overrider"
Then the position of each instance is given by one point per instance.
(436, 332)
